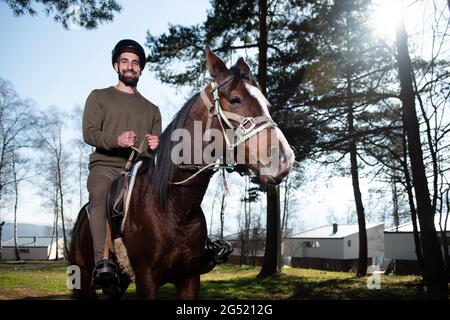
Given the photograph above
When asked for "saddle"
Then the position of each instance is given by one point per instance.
(119, 192)
(118, 197)
(115, 206)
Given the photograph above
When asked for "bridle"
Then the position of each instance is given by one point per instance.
(247, 128)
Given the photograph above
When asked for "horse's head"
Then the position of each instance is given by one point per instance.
(243, 112)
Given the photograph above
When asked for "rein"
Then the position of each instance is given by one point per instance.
(246, 129)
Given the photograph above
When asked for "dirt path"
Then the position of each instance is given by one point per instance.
(33, 294)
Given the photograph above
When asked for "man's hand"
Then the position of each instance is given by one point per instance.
(127, 139)
(153, 141)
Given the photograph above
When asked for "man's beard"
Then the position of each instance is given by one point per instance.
(128, 81)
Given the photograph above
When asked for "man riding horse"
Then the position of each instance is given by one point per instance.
(164, 236)
(114, 120)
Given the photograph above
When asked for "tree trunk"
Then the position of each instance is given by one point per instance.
(444, 231)
(241, 237)
(262, 46)
(244, 244)
(222, 215)
(362, 257)
(2, 223)
(57, 235)
(285, 216)
(16, 201)
(16, 247)
(56, 220)
(270, 265)
(61, 208)
(412, 206)
(247, 218)
(395, 213)
(434, 272)
(273, 199)
(61, 193)
(53, 234)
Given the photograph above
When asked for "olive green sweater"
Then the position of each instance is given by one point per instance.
(108, 113)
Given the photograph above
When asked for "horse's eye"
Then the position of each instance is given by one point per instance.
(235, 100)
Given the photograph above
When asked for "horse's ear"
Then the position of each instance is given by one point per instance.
(243, 67)
(216, 66)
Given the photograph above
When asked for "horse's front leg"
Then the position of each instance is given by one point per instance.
(188, 289)
(145, 285)
(86, 291)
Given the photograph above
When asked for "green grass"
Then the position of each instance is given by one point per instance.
(33, 279)
(47, 280)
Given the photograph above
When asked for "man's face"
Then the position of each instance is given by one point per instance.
(128, 68)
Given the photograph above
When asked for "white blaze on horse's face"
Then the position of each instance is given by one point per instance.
(262, 101)
(275, 162)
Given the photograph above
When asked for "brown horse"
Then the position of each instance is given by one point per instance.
(165, 230)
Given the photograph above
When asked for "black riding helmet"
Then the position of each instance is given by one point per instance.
(128, 45)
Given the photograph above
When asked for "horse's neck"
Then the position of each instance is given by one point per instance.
(192, 193)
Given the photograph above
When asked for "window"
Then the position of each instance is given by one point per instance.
(24, 250)
(349, 243)
(312, 244)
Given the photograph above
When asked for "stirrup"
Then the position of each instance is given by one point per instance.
(105, 274)
(220, 250)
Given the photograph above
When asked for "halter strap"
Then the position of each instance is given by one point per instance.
(247, 126)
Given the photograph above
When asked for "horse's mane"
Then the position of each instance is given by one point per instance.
(164, 168)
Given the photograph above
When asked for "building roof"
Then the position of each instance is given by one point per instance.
(29, 242)
(343, 230)
(408, 227)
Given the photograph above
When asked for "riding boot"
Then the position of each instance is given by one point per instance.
(106, 275)
(216, 252)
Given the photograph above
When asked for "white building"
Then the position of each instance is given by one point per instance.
(399, 245)
(33, 248)
(333, 247)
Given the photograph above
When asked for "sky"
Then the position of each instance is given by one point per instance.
(55, 66)
(58, 67)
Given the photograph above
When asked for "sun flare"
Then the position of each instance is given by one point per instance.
(386, 16)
